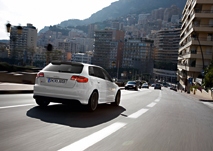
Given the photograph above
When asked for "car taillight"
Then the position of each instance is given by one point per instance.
(40, 74)
(79, 79)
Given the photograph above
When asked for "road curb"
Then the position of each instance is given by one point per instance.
(15, 91)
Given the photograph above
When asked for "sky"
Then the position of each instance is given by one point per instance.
(42, 13)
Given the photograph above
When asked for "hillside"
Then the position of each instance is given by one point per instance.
(124, 7)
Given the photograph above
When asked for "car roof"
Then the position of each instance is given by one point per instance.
(76, 63)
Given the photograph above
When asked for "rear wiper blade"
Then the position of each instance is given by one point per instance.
(64, 71)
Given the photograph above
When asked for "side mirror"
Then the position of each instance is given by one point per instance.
(113, 80)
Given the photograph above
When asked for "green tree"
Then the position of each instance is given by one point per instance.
(208, 76)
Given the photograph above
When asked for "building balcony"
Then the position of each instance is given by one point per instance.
(203, 27)
(199, 28)
(196, 68)
(188, 33)
(206, 41)
(204, 13)
(195, 55)
(181, 74)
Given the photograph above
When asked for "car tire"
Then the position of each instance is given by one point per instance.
(93, 102)
(117, 99)
(42, 102)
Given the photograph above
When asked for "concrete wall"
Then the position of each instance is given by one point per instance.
(205, 94)
(22, 77)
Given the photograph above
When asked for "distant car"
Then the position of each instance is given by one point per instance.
(173, 88)
(145, 85)
(157, 86)
(131, 85)
(65, 82)
(153, 85)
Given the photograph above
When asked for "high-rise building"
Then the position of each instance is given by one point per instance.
(108, 48)
(166, 55)
(196, 42)
(21, 44)
(92, 28)
(138, 54)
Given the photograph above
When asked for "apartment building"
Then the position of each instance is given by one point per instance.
(108, 48)
(166, 55)
(138, 54)
(91, 30)
(196, 44)
(22, 43)
(81, 57)
(67, 46)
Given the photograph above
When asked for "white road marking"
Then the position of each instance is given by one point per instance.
(5, 107)
(138, 113)
(158, 99)
(93, 138)
(151, 104)
(142, 111)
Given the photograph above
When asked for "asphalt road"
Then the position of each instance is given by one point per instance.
(146, 120)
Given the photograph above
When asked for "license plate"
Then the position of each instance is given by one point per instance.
(56, 80)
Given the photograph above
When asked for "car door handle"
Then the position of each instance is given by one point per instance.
(98, 82)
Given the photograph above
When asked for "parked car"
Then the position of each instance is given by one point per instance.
(173, 87)
(69, 82)
(131, 85)
(145, 85)
(157, 86)
(153, 85)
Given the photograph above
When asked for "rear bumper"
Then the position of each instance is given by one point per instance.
(58, 94)
(57, 100)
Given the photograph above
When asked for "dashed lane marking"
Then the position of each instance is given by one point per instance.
(93, 138)
(151, 104)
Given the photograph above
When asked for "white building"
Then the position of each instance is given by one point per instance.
(81, 57)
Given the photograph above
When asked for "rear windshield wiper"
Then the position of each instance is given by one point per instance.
(65, 71)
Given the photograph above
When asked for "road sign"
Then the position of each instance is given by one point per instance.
(202, 73)
(190, 80)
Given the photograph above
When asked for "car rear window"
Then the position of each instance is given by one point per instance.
(68, 68)
(131, 82)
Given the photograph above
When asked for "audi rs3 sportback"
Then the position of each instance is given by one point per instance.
(65, 82)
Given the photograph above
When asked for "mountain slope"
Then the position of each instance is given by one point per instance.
(124, 7)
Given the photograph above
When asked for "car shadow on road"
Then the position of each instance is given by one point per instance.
(202, 100)
(75, 115)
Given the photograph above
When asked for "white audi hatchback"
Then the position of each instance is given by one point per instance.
(64, 82)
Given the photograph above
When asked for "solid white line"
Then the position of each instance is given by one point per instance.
(93, 138)
(151, 104)
(138, 113)
(4, 107)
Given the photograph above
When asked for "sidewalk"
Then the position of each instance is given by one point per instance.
(199, 98)
(14, 88)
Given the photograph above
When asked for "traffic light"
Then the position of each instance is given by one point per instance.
(49, 47)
